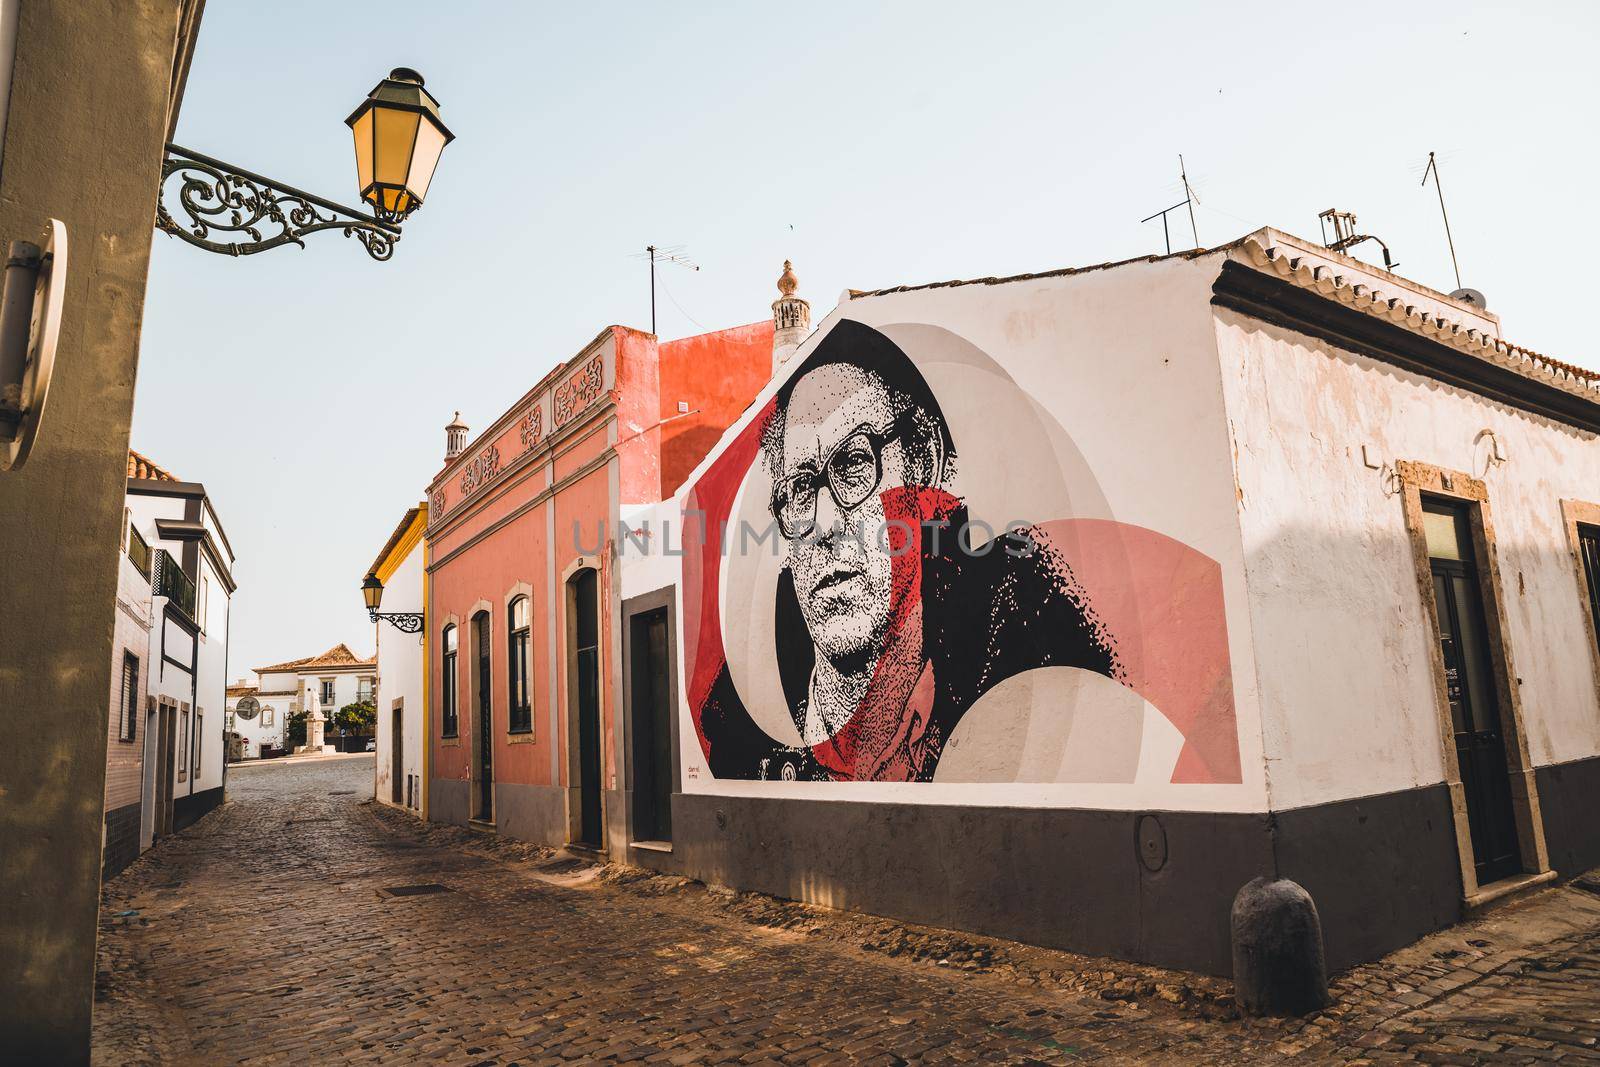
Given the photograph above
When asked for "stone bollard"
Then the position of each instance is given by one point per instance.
(1278, 965)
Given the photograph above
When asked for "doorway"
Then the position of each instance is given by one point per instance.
(586, 703)
(150, 761)
(165, 768)
(1475, 712)
(397, 753)
(485, 724)
(650, 725)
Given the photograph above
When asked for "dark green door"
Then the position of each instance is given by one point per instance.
(485, 724)
(587, 634)
(651, 727)
(1470, 689)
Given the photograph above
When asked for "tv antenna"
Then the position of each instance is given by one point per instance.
(1187, 201)
(1433, 168)
(656, 254)
(1346, 235)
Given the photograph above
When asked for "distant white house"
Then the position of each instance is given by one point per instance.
(398, 774)
(259, 726)
(336, 677)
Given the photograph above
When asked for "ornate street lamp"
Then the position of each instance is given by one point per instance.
(398, 140)
(372, 593)
(399, 137)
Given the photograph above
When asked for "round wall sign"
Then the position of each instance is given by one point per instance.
(247, 708)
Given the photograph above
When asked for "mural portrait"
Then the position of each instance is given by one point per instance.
(902, 570)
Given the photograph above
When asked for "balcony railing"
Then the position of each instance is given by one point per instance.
(172, 583)
(139, 552)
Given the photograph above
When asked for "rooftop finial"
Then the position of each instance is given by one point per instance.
(455, 438)
(791, 318)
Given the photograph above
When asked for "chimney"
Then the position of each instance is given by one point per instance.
(791, 318)
(455, 438)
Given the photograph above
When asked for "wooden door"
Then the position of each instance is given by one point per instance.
(397, 756)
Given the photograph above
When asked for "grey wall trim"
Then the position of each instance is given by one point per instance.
(187, 809)
(447, 801)
(1382, 869)
(1569, 798)
(533, 813)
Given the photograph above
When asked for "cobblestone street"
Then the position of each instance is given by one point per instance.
(263, 935)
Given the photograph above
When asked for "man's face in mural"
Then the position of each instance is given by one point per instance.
(842, 569)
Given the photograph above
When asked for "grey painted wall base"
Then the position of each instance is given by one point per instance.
(122, 839)
(1155, 887)
(186, 811)
(1569, 797)
(448, 801)
(533, 813)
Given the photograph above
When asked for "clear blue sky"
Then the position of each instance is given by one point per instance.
(874, 144)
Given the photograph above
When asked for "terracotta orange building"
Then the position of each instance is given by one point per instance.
(524, 600)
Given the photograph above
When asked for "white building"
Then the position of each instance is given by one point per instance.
(1304, 586)
(261, 727)
(165, 746)
(402, 686)
(336, 677)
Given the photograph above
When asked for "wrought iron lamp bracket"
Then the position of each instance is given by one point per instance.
(405, 622)
(220, 199)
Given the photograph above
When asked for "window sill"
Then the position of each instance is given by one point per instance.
(450, 742)
(519, 737)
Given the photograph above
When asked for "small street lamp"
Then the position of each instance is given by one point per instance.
(398, 139)
(372, 593)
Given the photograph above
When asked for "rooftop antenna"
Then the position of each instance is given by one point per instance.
(1187, 201)
(1188, 198)
(656, 254)
(1346, 235)
(1433, 168)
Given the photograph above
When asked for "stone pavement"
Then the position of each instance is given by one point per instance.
(263, 935)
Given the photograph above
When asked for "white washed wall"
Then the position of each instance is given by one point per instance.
(1343, 656)
(400, 660)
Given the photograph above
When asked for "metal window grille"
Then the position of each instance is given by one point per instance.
(139, 552)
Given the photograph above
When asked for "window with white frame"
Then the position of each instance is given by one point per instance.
(199, 740)
(327, 692)
(183, 745)
(520, 712)
(449, 718)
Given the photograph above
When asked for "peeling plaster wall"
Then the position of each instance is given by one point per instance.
(1343, 642)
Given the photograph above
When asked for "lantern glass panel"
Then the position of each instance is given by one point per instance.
(396, 135)
(362, 128)
(430, 142)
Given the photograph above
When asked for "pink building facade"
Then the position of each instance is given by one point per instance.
(524, 667)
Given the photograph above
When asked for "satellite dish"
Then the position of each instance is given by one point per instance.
(247, 708)
(1470, 296)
